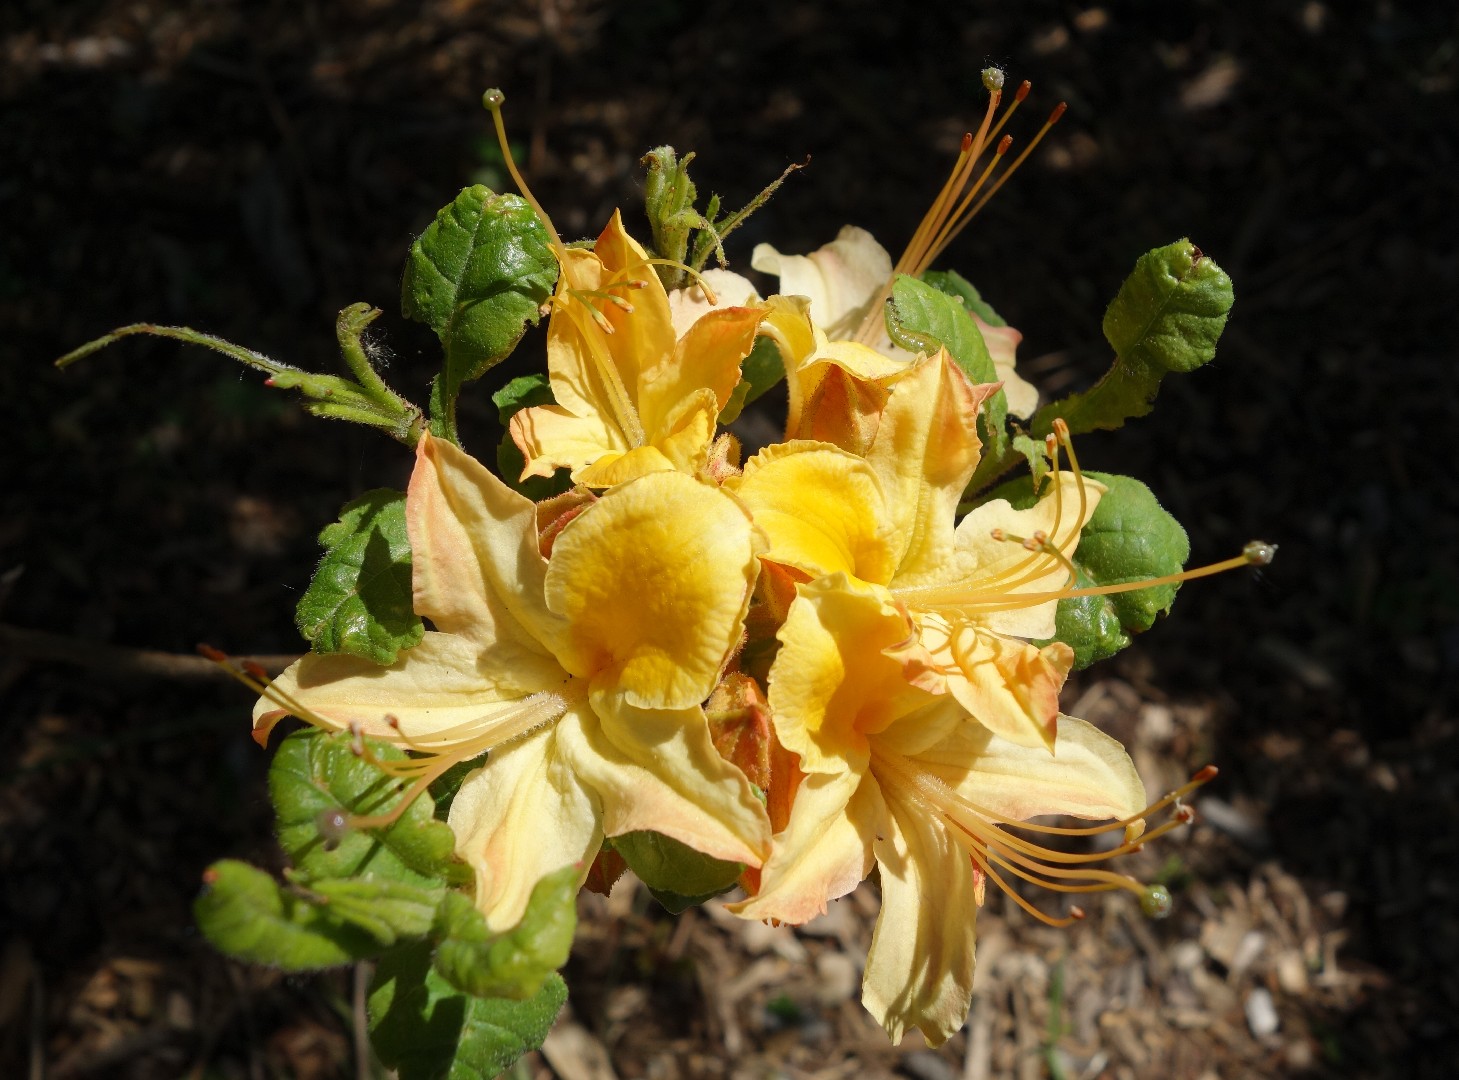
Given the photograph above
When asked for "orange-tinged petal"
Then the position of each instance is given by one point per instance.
(820, 508)
(658, 769)
(824, 852)
(833, 685)
(552, 438)
(654, 580)
(476, 571)
(924, 453)
(689, 304)
(643, 336)
(919, 970)
(523, 816)
(1008, 685)
(708, 355)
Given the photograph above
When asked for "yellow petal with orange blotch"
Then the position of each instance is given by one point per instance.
(654, 580)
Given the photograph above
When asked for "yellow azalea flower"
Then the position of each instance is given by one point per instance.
(898, 778)
(632, 394)
(845, 278)
(976, 592)
(582, 675)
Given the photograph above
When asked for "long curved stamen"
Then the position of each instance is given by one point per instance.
(986, 838)
(436, 751)
(494, 100)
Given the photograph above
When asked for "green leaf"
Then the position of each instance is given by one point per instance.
(954, 284)
(926, 311)
(761, 370)
(678, 876)
(316, 778)
(386, 910)
(245, 913)
(513, 964)
(1130, 537)
(1167, 317)
(360, 599)
(525, 392)
(477, 276)
(425, 1029)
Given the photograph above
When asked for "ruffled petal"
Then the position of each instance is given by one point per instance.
(708, 355)
(477, 571)
(654, 580)
(1006, 684)
(833, 684)
(824, 852)
(924, 453)
(821, 509)
(919, 970)
(658, 769)
(522, 816)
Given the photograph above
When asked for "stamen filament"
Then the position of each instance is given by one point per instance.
(493, 100)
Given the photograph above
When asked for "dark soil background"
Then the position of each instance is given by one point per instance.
(250, 168)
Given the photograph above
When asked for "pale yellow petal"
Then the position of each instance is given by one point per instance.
(658, 769)
(919, 970)
(689, 304)
(1088, 775)
(824, 851)
(477, 570)
(991, 571)
(841, 279)
(1002, 342)
(654, 580)
(552, 438)
(821, 509)
(522, 816)
(442, 683)
(833, 684)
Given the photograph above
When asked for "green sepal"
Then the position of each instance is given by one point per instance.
(1129, 537)
(245, 913)
(425, 1029)
(678, 876)
(954, 284)
(921, 309)
(360, 599)
(513, 964)
(388, 911)
(525, 392)
(1167, 318)
(477, 276)
(315, 776)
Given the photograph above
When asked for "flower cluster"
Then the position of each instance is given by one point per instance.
(900, 662)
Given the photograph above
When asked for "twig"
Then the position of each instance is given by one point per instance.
(121, 661)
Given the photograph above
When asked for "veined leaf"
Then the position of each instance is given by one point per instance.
(360, 599)
(317, 782)
(516, 963)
